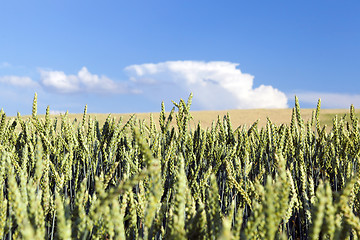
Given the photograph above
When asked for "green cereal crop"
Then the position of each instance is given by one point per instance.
(63, 179)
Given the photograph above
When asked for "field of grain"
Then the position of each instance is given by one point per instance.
(74, 177)
(238, 117)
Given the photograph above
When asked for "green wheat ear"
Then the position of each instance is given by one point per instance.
(34, 106)
(298, 114)
(318, 212)
(317, 115)
(176, 228)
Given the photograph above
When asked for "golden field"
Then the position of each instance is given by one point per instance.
(238, 117)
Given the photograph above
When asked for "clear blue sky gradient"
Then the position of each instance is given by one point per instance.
(298, 47)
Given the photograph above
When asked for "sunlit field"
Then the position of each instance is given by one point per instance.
(238, 117)
(165, 176)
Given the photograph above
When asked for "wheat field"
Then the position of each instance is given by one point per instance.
(239, 117)
(79, 177)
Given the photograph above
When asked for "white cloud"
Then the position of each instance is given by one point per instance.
(330, 100)
(215, 85)
(84, 81)
(18, 81)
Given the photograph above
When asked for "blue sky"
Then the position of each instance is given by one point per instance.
(128, 56)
